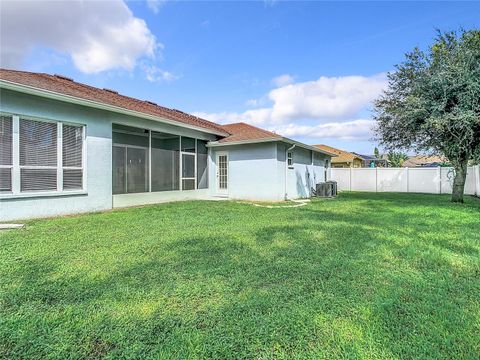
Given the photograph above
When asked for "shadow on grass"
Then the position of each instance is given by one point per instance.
(324, 285)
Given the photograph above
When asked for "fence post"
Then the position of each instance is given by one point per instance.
(477, 180)
(350, 183)
(376, 178)
(439, 175)
(406, 174)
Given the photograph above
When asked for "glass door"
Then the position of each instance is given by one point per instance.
(222, 173)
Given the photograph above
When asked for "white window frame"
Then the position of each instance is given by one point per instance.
(9, 166)
(60, 152)
(16, 167)
(194, 154)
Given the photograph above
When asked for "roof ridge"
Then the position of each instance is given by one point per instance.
(49, 82)
(252, 126)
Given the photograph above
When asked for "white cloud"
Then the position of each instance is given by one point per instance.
(257, 117)
(155, 5)
(334, 106)
(350, 130)
(155, 74)
(282, 80)
(252, 102)
(97, 35)
(325, 98)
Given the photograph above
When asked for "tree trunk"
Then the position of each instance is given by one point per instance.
(459, 181)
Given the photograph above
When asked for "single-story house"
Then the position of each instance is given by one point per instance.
(68, 148)
(425, 161)
(343, 159)
(372, 160)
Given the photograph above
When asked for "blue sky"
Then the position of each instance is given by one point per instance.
(308, 70)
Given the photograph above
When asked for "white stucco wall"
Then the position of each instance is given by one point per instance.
(98, 172)
(252, 171)
(98, 168)
(304, 174)
(257, 171)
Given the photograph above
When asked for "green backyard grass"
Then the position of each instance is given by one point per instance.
(361, 276)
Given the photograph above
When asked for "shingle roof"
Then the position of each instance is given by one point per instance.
(245, 132)
(65, 86)
(424, 160)
(342, 156)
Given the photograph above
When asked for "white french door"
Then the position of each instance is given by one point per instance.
(222, 173)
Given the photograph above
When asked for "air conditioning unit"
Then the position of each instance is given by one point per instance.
(326, 189)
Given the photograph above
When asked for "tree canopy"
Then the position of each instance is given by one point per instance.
(432, 103)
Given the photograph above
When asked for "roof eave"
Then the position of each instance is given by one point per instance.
(242, 142)
(27, 89)
(308, 147)
(272, 139)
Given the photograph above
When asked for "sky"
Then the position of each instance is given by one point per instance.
(306, 70)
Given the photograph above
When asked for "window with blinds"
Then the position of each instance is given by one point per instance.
(72, 150)
(6, 153)
(48, 155)
(38, 155)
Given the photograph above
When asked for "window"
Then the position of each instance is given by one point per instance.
(48, 156)
(290, 159)
(6, 158)
(72, 150)
(38, 155)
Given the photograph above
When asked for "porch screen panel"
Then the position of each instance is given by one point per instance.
(188, 166)
(72, 149)
(6, 143)
(119, 171)
(202, 163)
(188, 144)
(188, 184)
(137, 170)
(130, 160)
(38, 155)
(165, 162)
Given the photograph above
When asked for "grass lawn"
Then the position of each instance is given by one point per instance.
(361, 276)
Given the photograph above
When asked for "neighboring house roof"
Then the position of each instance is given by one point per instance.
(342, 156)
(424, 160)
(65, 86)
(367, 157)
(242, 133)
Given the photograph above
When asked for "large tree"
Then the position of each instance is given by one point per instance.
(432, 103)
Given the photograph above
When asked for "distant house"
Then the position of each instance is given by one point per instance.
(372, 161)
(344, 159)
(425, 161)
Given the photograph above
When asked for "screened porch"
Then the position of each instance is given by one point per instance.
(149, 161)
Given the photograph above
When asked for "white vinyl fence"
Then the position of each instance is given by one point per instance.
(437, 180)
